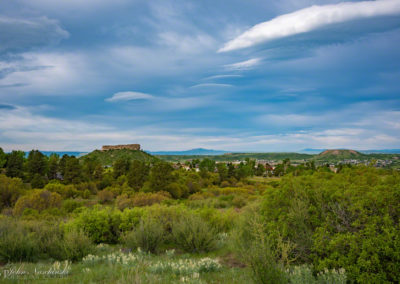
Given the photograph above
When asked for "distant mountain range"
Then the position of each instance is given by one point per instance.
(211, 152)
(383, 151)
(197, 151)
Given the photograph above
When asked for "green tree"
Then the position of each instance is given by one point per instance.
(53, 166)
(3, 158)
(15, 164)
(260, 170)
(62, 164)
(92, 168)
(207, 165)
(36, 165)
(161, 176)
(138, 174)
(222, 171)
(73, 171)
(121, 167)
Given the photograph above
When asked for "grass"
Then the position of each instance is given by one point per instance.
(137, 267)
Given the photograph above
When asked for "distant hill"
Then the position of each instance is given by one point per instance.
(339, 154)
(110, 156)
(197, 151)
(230, 157)
(382, 151)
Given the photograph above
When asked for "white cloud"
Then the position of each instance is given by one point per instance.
(211, 85)
(243, 65)
(309, 19)
(129, 96)
(223, 76)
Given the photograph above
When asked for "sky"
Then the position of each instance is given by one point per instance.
(175, 75)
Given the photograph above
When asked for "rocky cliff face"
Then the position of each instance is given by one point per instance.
(119, 147)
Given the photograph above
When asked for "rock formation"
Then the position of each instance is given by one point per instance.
(120, 147)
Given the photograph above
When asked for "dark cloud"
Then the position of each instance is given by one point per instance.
(7, 107)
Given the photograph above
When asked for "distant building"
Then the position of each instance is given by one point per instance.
(120, 147)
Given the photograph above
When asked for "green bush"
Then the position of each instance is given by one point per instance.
(38, 200)
(100, 225)
(257, 249)
(347, 220)
(17, 243)
(76, 245)
(192, 234)
(148, 235)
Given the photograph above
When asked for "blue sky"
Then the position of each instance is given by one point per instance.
(174, 75)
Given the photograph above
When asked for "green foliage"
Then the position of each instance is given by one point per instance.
(72, 171)
(265, 256)
(100, 225)
(105, 196)
(10, 190)
(161, 177)
(107, 158)
(33, 240)
(66, 191)
(17, 243)
(347, 220)
(38, 200)
(92, 169)
(15, 164)
(53, 166)
(148, 235)
(304, 275)
(138, 174)
(120, 167)
(3, 158)
(36, 166)
(192, 234)
(141, 199)
(76, 245)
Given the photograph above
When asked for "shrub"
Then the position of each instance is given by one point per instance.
(148, 235)
(77, 245)
(147, 199)
(192, 234)
(346, 220)
(70, 205)
(66, 191)
(38, 200)
(105, 196)
(100, 225)
(10, 190)
(259, 251)
(17, 243)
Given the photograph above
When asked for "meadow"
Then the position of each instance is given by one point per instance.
(69, 220)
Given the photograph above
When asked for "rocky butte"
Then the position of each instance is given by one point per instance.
(120, 147)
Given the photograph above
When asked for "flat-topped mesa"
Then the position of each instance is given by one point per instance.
(120, 147)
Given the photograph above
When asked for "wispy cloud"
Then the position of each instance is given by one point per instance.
(211, 85)
(309, 19)
(129, 96)
(243, 65)
(25, 33)
(224, 76)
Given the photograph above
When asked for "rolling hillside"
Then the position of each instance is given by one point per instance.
(336, 155)
(110, 156)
